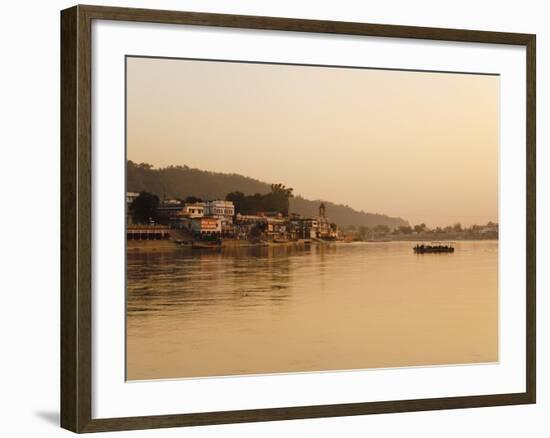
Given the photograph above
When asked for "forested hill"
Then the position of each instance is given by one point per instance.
(182, 181)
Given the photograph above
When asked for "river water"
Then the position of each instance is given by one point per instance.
(194, 313)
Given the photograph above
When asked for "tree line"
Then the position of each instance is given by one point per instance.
(277, 200)
(365, 232)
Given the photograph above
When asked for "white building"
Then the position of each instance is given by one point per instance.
(195, 209)
(220, 209)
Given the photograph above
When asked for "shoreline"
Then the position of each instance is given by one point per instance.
(169, 244)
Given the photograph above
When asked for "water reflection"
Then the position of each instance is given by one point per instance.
(285, 309)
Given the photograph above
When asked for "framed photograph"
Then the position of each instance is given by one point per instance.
(271, 218)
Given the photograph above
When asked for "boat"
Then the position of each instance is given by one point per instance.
(433, 248)
(280, 240)
(206, 245)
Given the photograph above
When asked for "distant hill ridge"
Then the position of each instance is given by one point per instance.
(182, 181)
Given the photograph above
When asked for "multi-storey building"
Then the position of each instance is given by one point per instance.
(194, 209)
(220, 209)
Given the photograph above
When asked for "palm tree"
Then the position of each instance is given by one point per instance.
(282, 189)
(281, 195)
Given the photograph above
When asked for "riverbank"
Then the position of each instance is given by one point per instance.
(171, 244)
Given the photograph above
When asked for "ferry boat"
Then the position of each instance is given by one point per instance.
(433, 248)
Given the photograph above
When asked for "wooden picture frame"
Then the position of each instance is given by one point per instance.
(76, 218)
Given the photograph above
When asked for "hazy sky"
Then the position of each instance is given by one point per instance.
(422, 146)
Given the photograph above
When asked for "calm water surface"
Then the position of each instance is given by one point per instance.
(259, 310)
